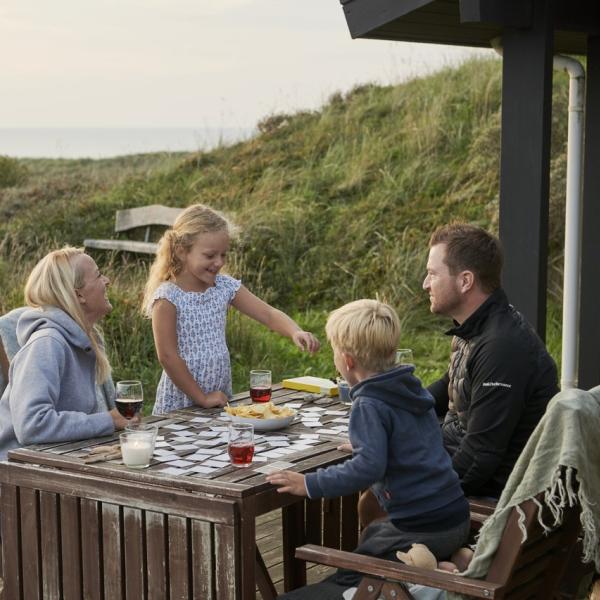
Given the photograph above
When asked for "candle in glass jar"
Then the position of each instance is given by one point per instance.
(136, 449)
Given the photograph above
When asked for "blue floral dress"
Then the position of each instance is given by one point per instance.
(201, 318)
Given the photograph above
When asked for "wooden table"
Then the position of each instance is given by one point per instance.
(102, 531)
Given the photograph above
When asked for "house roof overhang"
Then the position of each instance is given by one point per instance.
(468, 22)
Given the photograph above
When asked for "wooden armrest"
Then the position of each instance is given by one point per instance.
(398, 571)
(481, 506)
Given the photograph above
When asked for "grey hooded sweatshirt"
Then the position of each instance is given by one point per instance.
(51, 393)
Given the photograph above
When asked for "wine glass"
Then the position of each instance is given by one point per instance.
(404, 356)
(129, 398)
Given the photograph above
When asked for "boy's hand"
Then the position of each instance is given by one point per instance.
(290, 482)
(306, 341)
(345, 447)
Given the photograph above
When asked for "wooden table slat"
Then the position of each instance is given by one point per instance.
(91, 550)
(70, 521)
(157, 555)
(112, 547)
(134, 541)
(227, 565)
(30, 532)
(50, 546)
(203, 561)
(180, 572)
(11, 541)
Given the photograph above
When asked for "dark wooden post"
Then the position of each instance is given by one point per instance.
(589, 324)
(525, 162)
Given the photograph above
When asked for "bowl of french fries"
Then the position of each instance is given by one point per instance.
(264, 417)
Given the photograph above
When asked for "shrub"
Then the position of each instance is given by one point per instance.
(12, 172)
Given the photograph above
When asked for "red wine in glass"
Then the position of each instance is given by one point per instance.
(241, 454)
(129, 407)
(260, 393)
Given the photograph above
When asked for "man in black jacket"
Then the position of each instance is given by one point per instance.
(500, 376)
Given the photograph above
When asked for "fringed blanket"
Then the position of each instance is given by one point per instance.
(563, 448)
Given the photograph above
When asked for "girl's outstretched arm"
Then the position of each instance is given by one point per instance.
(276, 320)
(164, 328)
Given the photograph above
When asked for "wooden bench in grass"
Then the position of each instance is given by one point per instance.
(134, 218)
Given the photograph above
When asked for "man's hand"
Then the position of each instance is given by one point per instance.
(290, 482)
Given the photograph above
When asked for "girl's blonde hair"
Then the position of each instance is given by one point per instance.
(192, 222)
(53, 282)
(368, 330)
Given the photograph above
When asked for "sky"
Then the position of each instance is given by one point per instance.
(186, 63)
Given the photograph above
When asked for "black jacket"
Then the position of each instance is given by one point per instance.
(495, 392)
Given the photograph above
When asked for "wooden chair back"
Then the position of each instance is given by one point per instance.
(534, 568)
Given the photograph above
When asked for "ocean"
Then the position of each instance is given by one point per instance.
(110, 142)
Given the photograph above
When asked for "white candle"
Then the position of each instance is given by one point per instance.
(137, 452)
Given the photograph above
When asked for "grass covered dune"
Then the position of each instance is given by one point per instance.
(334, 205)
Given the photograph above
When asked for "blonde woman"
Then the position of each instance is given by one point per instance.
(187, 298)
(51, 395)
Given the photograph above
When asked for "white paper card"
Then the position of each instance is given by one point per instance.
(201, 419)
(183, 464)
(275, 466)
(176, 427)
(172, 471)
(179, 447)
(211, 462)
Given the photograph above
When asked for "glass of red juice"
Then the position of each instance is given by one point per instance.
(260, 386)
(241, 444)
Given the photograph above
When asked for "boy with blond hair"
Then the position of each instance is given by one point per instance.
(397, 448)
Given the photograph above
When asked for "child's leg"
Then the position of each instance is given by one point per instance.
(368, 509)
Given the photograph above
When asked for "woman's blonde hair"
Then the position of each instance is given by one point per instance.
(368, 330)
(192, 222)
(53, 282)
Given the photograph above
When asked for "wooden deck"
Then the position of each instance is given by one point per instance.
(268, 540)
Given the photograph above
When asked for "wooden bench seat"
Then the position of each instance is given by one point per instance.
(133, 218)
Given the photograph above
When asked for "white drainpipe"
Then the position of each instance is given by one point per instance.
(573, 221)
(573, 216)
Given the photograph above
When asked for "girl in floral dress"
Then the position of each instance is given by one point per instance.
(187, 299)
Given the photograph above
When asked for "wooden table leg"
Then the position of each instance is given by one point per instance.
(263, 579)
(294, 535)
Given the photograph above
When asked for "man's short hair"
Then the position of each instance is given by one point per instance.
(470, 248)
(368, 330)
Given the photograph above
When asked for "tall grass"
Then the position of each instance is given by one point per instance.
(334, 205)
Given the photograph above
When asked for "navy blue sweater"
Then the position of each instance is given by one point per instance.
(397, 450)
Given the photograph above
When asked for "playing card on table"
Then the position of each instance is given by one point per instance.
(279, 465)
(172, 471)
(176, 427)
(201, 419)
(181, 464)
(178, 447)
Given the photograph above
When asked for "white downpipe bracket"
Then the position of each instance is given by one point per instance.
(573, 216)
